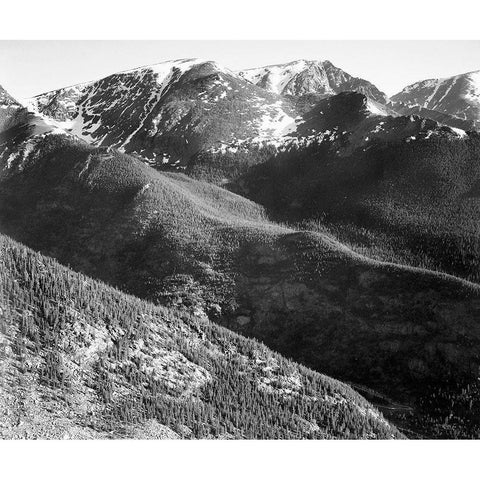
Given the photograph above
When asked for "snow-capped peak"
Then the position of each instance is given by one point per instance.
(458, 95)
(301, 77)
(277, 78)
(164, 69)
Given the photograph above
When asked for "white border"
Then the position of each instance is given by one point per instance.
(246, 19)
(240, 19)
(243, 460)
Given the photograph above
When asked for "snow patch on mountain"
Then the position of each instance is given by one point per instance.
(473, 93)
(458, 131)
(375, 108)
(114, 109)
(302, 77)
(75, 126)
(275, 122)
(65, 100)
(458, 96)
(277, 77)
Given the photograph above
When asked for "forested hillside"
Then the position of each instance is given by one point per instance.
(413, 203)
(194, 246)
(339, 233)
(82, 360)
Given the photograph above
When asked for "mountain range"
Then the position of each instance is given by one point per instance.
(168, 112)
(293, 204)
(177, 108)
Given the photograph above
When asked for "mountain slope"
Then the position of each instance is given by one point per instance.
(302, 77)
(82, 360)
(442, 118)
(412, 202)
(11, 112)
(400, 188)
(195, 246)
(343, 125)
(167, 112)
(458, 96)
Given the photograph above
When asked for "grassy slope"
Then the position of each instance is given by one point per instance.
(408, 333)
(83, 360)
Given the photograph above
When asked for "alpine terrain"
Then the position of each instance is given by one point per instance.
(167, 112)
(307, 76)
(458, 96)
(147, 216)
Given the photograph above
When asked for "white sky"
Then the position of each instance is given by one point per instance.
(31, 67)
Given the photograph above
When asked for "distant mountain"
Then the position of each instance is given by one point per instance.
(6, 99)
(440, 117)
(21, 130)
(458, 96)
(302, 77)
(175, 113)
(167, 112)
(345, 124)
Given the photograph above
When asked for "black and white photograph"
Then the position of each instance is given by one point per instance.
(239, 239)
